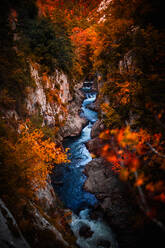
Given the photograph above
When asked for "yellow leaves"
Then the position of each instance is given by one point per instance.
(125, 85)
(128, 137)
(67, 149)
(21, 127)
(33, 156)
(98, 63)
(53, 96)
(119, 135)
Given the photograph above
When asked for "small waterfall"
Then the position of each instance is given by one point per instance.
(102, 236)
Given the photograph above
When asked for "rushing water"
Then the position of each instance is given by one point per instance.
(71, 179)
(71, 191)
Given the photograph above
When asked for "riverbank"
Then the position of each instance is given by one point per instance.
(116, 199)
(71, 191)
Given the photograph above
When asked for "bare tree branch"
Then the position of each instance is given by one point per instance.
(155, 151)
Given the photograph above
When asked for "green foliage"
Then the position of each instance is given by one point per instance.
(47, 44)
(25, 37)
(14, 67)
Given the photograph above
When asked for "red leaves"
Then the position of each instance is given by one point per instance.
(156, 138)
(160, 197)
(120, 135)
(124, 148)
(79, 8)
(132, 162)
(118, 159)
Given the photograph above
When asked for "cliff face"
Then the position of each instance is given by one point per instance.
(50, 101)
(50, 96)
(74, 123)
(10, 234)
(114, 200)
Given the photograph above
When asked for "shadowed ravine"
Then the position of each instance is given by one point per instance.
(71, 179)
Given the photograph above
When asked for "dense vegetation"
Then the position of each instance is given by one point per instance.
(130, 56)
(30, 34)
(26, 37)
(125, 44)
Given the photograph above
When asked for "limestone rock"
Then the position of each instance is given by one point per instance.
(114, 199)
(74, 122)
(46, 196)
(36, 101)
(97, 128)
(43, 225)
(10, 234)
(95, 145)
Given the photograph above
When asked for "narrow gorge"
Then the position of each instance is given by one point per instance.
(82, 134)
(71, 178)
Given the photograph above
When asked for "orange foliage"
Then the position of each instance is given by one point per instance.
(134, 140)
(127, 147)
(140, 181)
(83, 37)
(39, 152)
(72, 8)
(84, 40)
(32, 156)
(53, 96)
(124, 92)
(160, 197)
(130, 155)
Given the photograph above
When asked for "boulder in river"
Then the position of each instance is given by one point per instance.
(97, 128)
(119, 207)
(95, 145)
(85, 231)
(74, 123)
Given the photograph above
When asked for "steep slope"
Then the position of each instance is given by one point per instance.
(36, 96)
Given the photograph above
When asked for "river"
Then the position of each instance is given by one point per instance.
(71, 176)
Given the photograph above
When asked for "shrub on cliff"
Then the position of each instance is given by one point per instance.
(26, 161)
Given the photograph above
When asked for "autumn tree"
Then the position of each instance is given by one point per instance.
(85, 42)
(139, 157)
(27, 161)
(130, 56)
